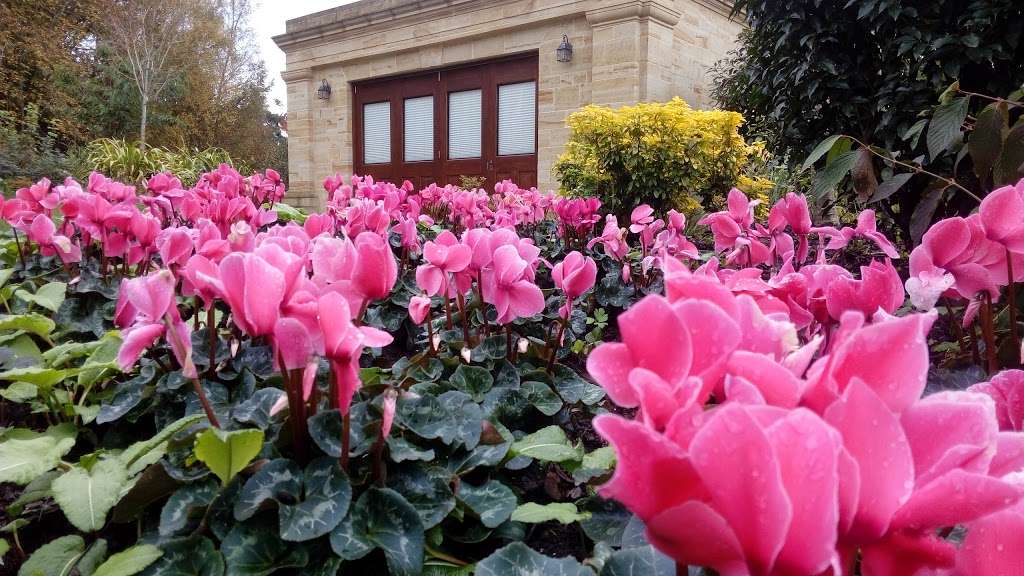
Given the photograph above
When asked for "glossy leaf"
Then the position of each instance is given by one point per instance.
(227, 453)
(492, 501)
(130, 561)
(26, 454)
(533, 513)
(86, 496)
(327, 494)
(517, 559)
(275, 481)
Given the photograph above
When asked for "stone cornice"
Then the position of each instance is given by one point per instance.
(661, 11)
(358, 15)
(297, 75)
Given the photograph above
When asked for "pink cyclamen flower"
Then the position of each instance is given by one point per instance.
(506, 287)
(376, 269)
(640, 218)
(343, 344)
(748, 491)
(444, 256)
(1002, 215)
(419, 309)
(866, 228)
(149, 309)
(879, 287)
(575, 274)
(612, 238)
(1007, 390)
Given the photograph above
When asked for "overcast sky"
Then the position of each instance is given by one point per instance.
(268, 21)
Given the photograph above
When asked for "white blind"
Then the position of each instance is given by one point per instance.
(517, 118)
(377, 133)
(464, 124)
(419, 129)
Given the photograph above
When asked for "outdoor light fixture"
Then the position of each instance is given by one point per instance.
(564, 52)
(324, 91)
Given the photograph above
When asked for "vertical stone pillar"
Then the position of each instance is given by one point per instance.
(301, 90)
(632, 50)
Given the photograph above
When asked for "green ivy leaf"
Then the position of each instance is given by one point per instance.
(227, 453)
(274, 481)
(533, 513)
(574, 388)
(55, 558)
(548, 444)
(401, 450)
(26, 454)
(492, 501)
(517, 559)
(473, 380)
(327, 497)
(49, 296)
(254, 549)
(86, 496)
(183, 505)
(130, 561)
(428, 492)
(34, 323)
(346, 542)
(386, 520)
(188, 558)
(541, 397)
(945, 128)
(596, 463)
(642, 561)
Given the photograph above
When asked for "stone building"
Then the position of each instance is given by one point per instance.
(431, 90)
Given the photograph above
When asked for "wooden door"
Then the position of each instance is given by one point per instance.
(484, 124)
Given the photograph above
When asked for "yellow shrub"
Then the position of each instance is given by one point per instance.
(666, 154)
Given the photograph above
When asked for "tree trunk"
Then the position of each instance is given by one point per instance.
(142, 122)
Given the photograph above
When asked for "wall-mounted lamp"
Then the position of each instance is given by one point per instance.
(324, 91)
(564, 51)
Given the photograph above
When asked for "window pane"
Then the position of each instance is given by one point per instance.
(464, 126)
(377, 133)
(517, 118)
(419, 129)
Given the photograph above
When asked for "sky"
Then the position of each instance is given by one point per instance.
(268, 21)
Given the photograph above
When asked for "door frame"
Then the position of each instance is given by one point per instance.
(489, 74)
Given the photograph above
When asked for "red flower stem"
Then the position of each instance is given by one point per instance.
(973, 337)
(448, 308)
(987, 333)
(461, 301)
(379, 469)
(17, 242)
(430, 333)
(557, 343)
(210, 415)
(1011, 301)
(176, 343)
(508, 342)
(297, 411)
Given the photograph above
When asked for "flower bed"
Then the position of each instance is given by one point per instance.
(425, 381)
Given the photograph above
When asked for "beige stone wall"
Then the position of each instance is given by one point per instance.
(624, 51)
